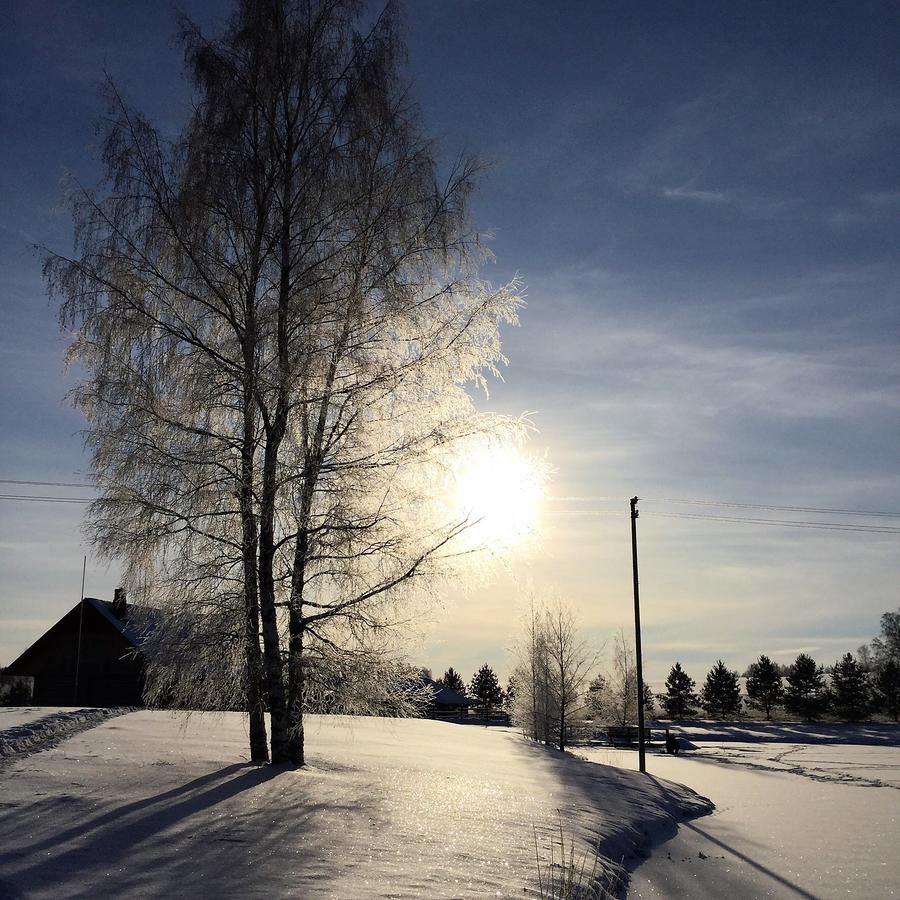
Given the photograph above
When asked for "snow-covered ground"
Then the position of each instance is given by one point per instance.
(16, 716)
(147, 806)
(28, 729)
(792, 820)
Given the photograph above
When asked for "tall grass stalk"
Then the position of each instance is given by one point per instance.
(568, 874)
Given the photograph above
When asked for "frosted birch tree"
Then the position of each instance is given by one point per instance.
(551, 673)
(279, 315)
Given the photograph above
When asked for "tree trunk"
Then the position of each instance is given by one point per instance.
(259, 747)
(296, 748)
(274, 669)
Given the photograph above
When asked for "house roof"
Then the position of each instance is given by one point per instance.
(139, 621)
(447, 696)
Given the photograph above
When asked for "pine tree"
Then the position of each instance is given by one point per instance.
(453, 680)
(679, 698)
(597, 695)
(851, 694)
(887, 688)
(764, 685)
(722, 692)
(485, 688)
(805, 693)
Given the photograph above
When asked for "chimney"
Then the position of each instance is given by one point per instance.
(119, 603)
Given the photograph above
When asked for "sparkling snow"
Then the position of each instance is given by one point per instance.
(792, 820)
(147, 805)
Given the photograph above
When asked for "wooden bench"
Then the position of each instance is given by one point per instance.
(625, 734)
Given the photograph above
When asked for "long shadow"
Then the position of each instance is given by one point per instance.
(864, 733)
(591, 785)
(784, 882)
(110, 835)
(108, 817)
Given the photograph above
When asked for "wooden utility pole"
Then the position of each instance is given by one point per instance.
(80, 623)
(642, 760)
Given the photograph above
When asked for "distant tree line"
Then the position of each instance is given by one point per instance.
(550, 688)
(484, 688)
(858, 686)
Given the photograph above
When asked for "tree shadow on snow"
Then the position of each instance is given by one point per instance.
(880, 734)
(206, 837)
(618, 811)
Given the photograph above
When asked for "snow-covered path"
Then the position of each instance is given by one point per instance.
(143, 807)
(791, 821)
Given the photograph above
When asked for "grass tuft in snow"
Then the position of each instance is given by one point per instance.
(563, 873)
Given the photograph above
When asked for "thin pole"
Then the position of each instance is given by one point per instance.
(642, 759)
(80, 623)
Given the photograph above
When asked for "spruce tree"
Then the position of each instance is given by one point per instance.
(887, 688)
(679, 697)
(764, 685)
(485, 688)
(597, 699)
(721, 693)
(805, 693)
(453, 680)
(850, 689)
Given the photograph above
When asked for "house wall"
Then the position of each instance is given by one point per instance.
(107, 674)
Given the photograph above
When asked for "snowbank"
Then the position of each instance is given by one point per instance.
(883, 734)
(149, 805)
(33, 731)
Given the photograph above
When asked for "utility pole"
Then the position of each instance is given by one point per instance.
(642, 760)
(80, 623)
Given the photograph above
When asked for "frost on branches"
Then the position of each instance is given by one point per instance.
(278, 316)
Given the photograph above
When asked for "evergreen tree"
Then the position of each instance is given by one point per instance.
(721, 692)
(485, 688)
(649, 703)
(453, 680)
(679, 698)
(597, 695)
(805, 693)
(850, 690)
(887, 688)
(764, 685)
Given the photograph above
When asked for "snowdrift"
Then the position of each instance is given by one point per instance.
(153, 805)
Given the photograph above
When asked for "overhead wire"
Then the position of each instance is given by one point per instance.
(786, 523)
(852, 527)
(732, 504)
(32, 499)
(80, 484)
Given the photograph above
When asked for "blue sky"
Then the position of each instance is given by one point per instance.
(704, 202)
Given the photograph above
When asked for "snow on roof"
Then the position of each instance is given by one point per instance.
(139, 621)
(446, 696)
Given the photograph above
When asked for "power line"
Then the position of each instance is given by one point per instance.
(786, 523)
(812, 509)
(731, 504)
(47, 483)
(28, 499)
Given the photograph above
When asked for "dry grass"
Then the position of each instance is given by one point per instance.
(564, 873)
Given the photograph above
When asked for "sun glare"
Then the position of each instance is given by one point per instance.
(498, 490)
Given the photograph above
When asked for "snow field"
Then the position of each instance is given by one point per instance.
(151, 805)
(791, 820)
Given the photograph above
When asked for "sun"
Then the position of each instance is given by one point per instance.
(498, 492)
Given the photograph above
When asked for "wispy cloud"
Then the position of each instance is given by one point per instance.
(686, 193)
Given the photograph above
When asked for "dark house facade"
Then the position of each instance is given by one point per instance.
(90, 657)
(446, 703)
